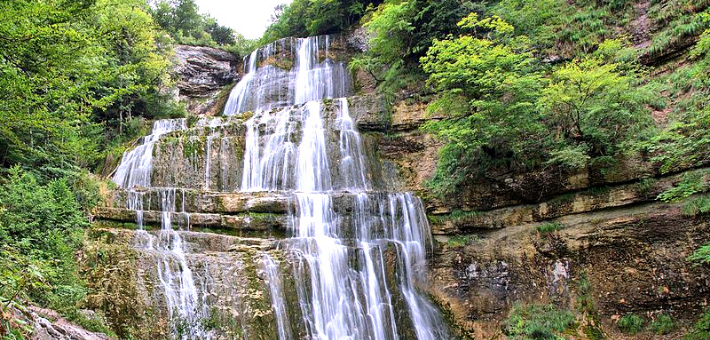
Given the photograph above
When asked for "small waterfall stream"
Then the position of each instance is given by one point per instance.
(354, 271)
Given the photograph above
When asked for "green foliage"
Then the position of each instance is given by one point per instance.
(663, 324)
(456, 215)
(595, 105)
(41, 228)
(182, 20)
(32, 211)
(390, 29)
(701, 331)
(69, 70)
(550, 227)
(631, 324)
(694, 206)
(314, 17)
(458, 241)
(702, 255)
(679, 22)
(692, 183)
(400, 33)
(488, 89)
(645, 186)
(537, 322)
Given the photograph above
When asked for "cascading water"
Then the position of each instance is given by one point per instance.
(268, 86)
(136, 164)
(338, 298)
(175, 276)
(355, 252)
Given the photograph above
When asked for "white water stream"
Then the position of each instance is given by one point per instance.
(354, 271)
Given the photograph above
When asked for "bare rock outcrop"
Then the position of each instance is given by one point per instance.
(206, 75)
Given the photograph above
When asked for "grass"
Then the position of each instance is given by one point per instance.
(631, 324)
(454, 216)
(460, 241)
(645, 186)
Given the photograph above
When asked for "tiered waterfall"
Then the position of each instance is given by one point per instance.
(353, 251)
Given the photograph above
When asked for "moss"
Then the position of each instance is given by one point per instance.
(192, 147)
(110, 269)
(459, 241)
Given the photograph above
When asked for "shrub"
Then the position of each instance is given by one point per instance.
(697, 206)
(663, 324)
(692, 183)
(537, 322)
(549, 227)
(702, 255)
(631, 323)
(701, 330)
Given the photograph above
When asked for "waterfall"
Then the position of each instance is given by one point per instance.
(338, 298)
(267, 85)
(136, 164)
(174, 273)
(355, 253)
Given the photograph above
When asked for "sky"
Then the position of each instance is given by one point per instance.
(248, 17)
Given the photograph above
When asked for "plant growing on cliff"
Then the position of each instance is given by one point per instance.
(488, 87)
(549, 227)
(702, 255)
(537, 322)
(596, 106)
(663, 324)
(701, 330)
(697, 206)
(692, 183)
(631, 323)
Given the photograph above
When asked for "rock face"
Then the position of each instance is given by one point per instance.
(206, 75)
(615, 245)
(49, 325)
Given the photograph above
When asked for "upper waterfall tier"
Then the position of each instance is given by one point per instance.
(287, 72)
(259, 152)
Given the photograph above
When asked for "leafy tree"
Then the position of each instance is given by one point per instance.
(222, 35)
(489, 86)
(48, 64)
(183, 21)
(595, 106)
(390, 29)
(314, 17)
(401, 33)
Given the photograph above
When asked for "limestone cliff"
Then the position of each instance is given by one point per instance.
(205, 75)
(610, 242)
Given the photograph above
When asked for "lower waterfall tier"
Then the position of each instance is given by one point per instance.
(233, 285)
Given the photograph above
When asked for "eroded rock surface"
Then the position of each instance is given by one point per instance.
(206, 75)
